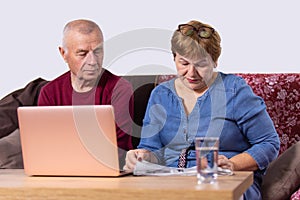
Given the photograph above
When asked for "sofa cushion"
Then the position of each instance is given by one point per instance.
(282, 177)
(142, 86)
(10, 147)
(10, 151)
(9, 104)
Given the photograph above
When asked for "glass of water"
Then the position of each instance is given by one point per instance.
(207, 159)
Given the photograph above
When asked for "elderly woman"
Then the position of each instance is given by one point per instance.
(203, 102)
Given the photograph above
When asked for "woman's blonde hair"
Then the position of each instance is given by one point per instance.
(193, 46)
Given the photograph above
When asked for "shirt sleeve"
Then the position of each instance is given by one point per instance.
(155, 117)
(256, 125)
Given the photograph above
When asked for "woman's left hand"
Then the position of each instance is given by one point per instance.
(225, 163)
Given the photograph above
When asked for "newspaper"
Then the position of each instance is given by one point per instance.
(150, 169)
(144, 168)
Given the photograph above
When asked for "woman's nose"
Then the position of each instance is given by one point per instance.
(191, 69)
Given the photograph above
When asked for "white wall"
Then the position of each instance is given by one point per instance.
(257, 35)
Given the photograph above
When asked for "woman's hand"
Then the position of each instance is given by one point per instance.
(239, 162)
(135, 155)
(225, 163)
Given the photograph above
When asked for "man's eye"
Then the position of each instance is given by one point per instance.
(81, 54)
(185, 64)
(98, 52)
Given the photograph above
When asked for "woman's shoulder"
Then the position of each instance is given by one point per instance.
(230, 76)
(165, 87)
(232, 80)
(164, 91)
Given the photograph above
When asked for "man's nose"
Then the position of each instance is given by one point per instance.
(91, 58)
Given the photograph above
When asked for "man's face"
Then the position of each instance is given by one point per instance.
(84, 54)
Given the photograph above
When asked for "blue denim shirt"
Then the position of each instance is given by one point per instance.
(228, 109)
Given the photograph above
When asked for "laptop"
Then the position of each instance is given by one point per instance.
(69, 141)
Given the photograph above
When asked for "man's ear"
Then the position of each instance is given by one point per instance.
(62, 53)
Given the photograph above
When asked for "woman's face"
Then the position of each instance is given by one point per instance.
(195, 74)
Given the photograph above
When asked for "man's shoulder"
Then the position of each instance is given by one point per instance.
(58, 82)
(60, 79)
(110, 76)
(114, 79)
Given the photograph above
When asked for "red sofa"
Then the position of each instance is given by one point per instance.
(281, 92)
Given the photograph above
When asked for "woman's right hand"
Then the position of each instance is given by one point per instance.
(135, 155)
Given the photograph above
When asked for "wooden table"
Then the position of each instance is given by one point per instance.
(14, 184)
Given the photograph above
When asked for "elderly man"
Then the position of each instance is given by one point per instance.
(87, 82)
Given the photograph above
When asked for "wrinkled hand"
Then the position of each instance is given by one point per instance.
(225, 163)
(135, 155)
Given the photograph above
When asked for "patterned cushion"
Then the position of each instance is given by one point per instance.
(281, 92)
